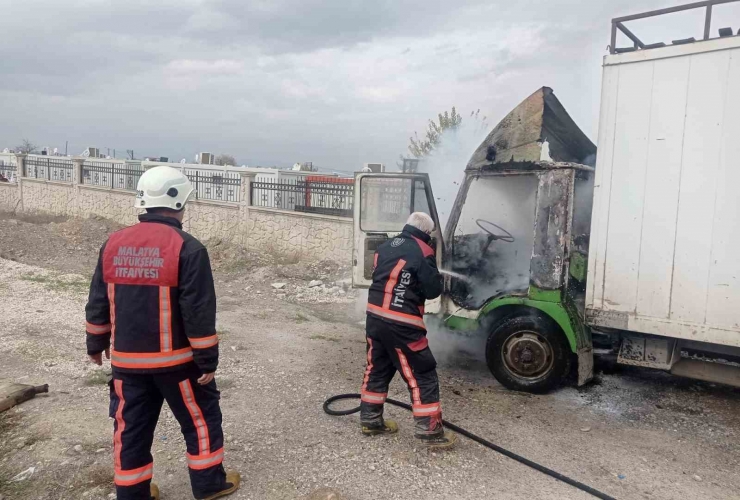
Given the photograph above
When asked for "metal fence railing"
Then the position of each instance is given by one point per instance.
(215, 185)
(7, 172)
(49, 168)
(320, 195)
(123, 175)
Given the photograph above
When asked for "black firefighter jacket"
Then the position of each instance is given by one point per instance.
(404, 276)
(152, 297)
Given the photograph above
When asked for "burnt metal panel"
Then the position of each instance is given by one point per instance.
(551, 229)
(607, 319)
(519, 137)
(651, 352)
(585, 365)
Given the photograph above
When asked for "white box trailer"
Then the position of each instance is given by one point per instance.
(665, 236)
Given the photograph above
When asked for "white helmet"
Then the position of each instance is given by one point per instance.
(163, 187)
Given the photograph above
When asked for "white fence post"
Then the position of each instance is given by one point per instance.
(78, 165)
(20, 165)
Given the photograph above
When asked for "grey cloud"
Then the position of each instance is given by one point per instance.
(276, 81)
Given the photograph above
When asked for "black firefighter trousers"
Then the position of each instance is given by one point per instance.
(135, 403)
(393, 347)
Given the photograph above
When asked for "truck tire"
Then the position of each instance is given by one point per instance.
(528, 353)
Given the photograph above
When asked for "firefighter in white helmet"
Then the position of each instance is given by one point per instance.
(152, 310)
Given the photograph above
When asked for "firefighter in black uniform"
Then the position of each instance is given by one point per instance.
(404, 276)
(152, 310)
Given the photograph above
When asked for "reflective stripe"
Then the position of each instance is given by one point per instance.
(369, 368)
(391, 284)
(396, 316)
(165, 320)
(373, 397)
(204, 342)
(120, 424)
(204, 443)
(97, 329)
(112, 301)
(410, 380)
(199, 462)
(151, 359)
(419, 345)
(426, 410)
(426, 250)
(133, 476)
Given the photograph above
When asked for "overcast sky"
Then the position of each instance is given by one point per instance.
(336, 82)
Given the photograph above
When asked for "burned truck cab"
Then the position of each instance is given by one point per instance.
(515, 247)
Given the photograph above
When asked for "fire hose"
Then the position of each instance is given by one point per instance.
(477, 439)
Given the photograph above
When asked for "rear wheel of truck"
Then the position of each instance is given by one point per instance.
(528, 353)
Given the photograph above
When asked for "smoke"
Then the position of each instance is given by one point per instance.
(361, 303)
(494, 267)
(582, 205)
(590, 160)
(509, 202)
(446, 164)
(453, 348)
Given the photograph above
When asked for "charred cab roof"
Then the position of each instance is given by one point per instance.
(536, 135)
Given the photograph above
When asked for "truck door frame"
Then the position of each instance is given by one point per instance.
(359, 249)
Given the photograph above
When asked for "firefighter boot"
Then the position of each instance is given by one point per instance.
(388, 427)
(154, 491)
(233, 479)
(442, 441)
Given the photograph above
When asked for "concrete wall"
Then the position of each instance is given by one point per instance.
(106, 203)
(10, 197)
(211, 220)
(308, 236)
(49, 197)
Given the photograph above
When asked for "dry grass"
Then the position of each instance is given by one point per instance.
(59, 284)
(323, 337)
(33, 218)
(280, 256)
(230, 258)
(7, 423)
(97, 377)
(100, 475)
(301, 318)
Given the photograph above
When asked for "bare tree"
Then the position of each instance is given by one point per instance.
(26, 147)
(224, 159)
(422, 147)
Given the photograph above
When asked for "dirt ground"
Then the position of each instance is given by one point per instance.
(285, 349)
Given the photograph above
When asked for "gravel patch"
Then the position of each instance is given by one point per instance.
(649, 436)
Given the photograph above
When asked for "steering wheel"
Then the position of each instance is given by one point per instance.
(506, 236)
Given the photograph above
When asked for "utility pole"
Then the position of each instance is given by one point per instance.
(66, 144)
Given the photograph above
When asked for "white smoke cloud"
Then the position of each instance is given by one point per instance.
(446, 165)
(454, 348)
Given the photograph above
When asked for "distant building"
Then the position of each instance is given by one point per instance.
(306, 166)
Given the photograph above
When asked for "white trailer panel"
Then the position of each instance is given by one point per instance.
(665, 232)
